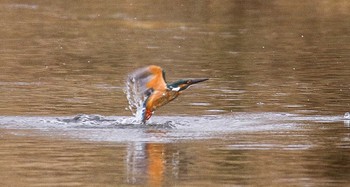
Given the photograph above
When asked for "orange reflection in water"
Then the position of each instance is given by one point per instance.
(155, 154)
(146, 163)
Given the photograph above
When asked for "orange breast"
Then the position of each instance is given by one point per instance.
(159, 98)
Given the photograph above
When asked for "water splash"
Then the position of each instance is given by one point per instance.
(160, 129)
(347, 115)
(347, 119)
(135, 96)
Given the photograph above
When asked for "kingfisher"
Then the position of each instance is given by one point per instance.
(151, 84)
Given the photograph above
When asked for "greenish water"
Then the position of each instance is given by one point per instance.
(272, 113)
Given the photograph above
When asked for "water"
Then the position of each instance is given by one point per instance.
(272, 114)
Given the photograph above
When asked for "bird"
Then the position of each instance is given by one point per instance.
(151, 84)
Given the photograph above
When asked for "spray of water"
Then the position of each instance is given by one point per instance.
(135, 95)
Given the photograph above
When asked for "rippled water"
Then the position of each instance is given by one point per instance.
(271, 114)
(170, 129)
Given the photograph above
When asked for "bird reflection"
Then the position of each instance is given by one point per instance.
(146, 163)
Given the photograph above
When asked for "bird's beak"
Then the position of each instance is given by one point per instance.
(195, 81)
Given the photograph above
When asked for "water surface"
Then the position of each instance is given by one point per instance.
(272, 113)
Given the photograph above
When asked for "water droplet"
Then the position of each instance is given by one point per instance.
(347, 115)
(135, 95)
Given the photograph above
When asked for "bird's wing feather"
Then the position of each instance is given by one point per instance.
(149, 79)
(157, 81)
(146, 82)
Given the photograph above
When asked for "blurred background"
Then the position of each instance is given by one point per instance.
(69, 57)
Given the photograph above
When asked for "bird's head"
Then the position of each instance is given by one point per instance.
(184, 84)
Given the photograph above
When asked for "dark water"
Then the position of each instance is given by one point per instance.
(272, 113)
